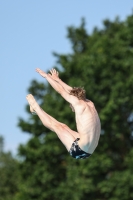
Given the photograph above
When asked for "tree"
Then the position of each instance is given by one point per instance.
(103, 63)
(9, 174)
(1, 144)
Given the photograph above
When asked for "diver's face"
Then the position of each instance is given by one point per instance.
(72, 108)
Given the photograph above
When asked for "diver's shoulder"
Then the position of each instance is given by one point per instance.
(90, 103)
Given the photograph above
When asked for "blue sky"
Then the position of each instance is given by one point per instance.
(30, 31)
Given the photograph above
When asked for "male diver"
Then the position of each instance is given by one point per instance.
(80, 144)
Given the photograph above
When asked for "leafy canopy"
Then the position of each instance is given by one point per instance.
(102, 63)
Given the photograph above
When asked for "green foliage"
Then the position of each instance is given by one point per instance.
(9, 174)
(103, 63)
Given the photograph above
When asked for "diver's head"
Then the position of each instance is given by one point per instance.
(78, 92)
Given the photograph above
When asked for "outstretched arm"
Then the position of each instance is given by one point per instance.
(55, 75)
(58, 87)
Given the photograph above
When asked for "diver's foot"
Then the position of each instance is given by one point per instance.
(32, 111)
(32, 102)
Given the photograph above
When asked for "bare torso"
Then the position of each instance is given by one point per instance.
(88, 125)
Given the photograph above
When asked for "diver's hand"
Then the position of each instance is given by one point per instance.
(54, 74)
(42, 73)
